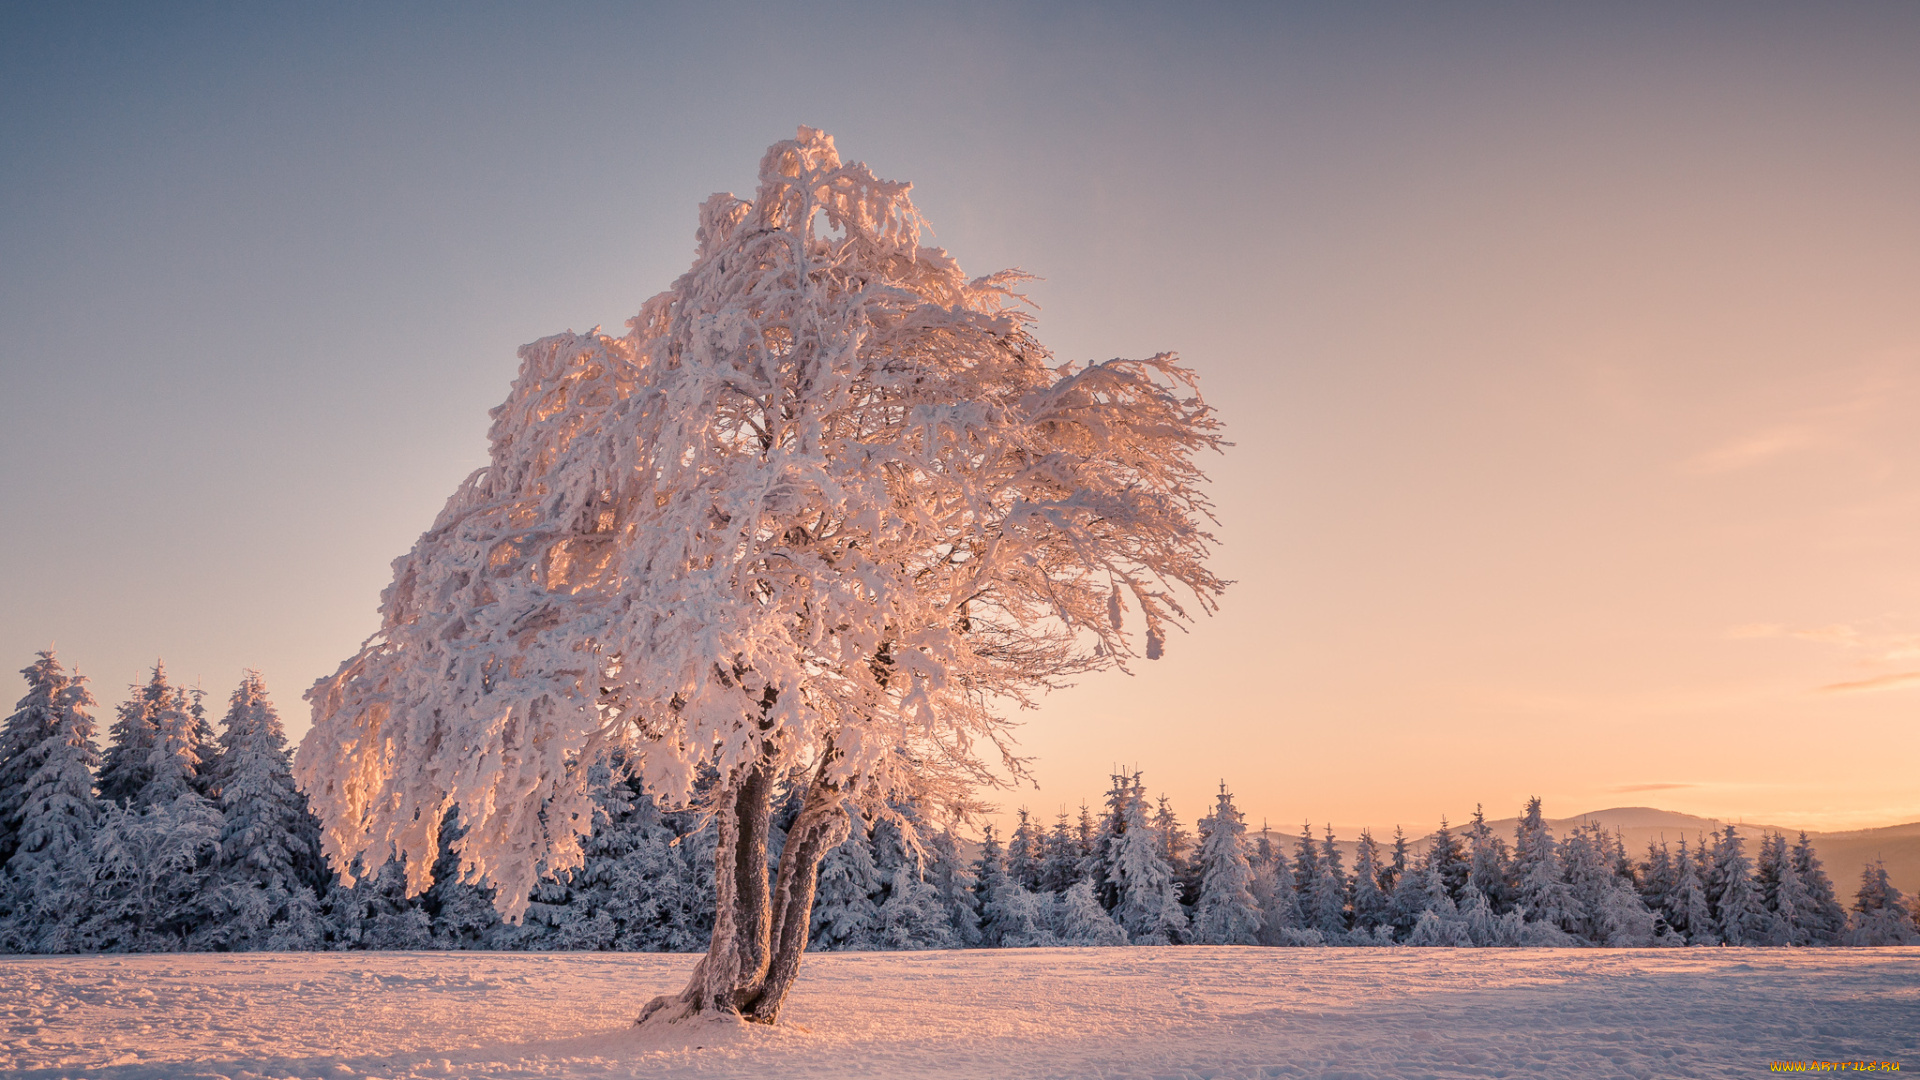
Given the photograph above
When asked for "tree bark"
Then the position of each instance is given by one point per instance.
(759, 933)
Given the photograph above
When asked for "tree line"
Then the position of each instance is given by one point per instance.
(179, 836)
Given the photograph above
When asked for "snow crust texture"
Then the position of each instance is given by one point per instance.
(1218, 1013)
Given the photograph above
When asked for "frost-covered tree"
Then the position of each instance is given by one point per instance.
(1306, 862)
(176, 760)
(46, 881)
(1397, 862)
(148, 867)
(1326, 902)
(827, 506)
(1688, 911)
(34, 718)
(912, 915)
(844, 914)
(1061, 867)
(1488, 867)
(1656, 878)
(127, 766)
(645, 885)
(1408, 901)
(1826, 921)
(1174, 847)
(989, 867)
(1102, 846)
(375, 912)
(1880, 912)
(1148, 905)
(1370, 905)
(955, 884)
(1787, 899)
(1227, 912)
(1446, 859)
(1017, 918)
(1612, 914)
(1540, 885)
(1024, 852)
(1439, 922)
(270, 869)
(1082, 921)
(1737, 908)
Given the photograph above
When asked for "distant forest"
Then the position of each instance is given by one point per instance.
(178, 836)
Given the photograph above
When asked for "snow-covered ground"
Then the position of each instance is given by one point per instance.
(1183, 1012)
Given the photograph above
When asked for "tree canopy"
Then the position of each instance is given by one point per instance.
(828, 506)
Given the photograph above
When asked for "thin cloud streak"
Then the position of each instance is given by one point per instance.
(1884, 682)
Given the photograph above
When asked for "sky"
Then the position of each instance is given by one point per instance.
(1569, 356)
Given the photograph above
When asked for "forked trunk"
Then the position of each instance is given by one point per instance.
(758, 934)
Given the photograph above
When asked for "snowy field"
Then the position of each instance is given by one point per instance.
(1218, 1013)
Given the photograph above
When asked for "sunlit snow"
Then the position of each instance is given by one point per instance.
(1220, 1013)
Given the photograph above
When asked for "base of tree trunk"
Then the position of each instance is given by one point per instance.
(759, 933)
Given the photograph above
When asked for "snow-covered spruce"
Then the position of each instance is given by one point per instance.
(51, 813)
(263, 892)
(824, 506)
(1227, 913)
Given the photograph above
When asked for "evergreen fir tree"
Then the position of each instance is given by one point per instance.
(1327, 903)
(148, 867)
(1482, 927)
(1227, 912)
(459, 907)
(844, 915)
(1281, 916)
(1540, 885)
(1439, 922)
(46, 880)
(174, 764)
(1306, 862)
(1657, 879)
(1390, 874)
(1024, 853)
(1766, 868)
(913, 916)
(955, 883)
(1737, 906)
(1097, 866)
(35, 717)
(1062, 866)
(989, 872)
(127, 766)
(1408, 901)
(376, 912)
(1791, 904)
(1488, 864)
(1612, 912)
(270, 869)
(1826, 920)
(205, 745)
(1148, 904)
(1880, 912)
(1174, 847)
(1688, 910)
(1447, 860)
(1370, 905)
(1082, 921)
(1017, 918)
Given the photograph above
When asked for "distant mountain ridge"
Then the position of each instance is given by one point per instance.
(1843, 853)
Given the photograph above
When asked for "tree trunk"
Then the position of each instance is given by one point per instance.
(758, 934)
